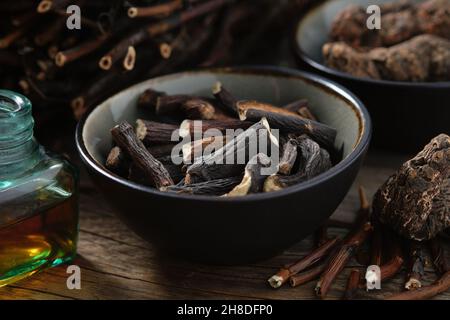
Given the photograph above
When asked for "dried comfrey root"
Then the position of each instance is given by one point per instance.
(423, 58)
(200, 144)
(215, 166)
(400, 21)
(415, 201)
(123, 134)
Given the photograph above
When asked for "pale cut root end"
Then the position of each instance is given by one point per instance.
(242, 188)
(165, 50)
(217, 87)
(275, 281)
(105, 63)
(242, 114)
(413, 284)
(44, 6)
(270, 184)
(130, 59)
(188, 179)
(141, 129)
(133, 12)
(60, 59)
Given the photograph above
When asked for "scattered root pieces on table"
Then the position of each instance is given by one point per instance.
(426, 292)
(327, 260)
(220, 145)
(283, 275)
(360, 232)
(410, 214)
(390, 252)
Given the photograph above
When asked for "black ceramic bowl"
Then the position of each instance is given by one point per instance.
(223, 230)
(405, 115)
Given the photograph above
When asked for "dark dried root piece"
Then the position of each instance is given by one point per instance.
(244, 105)
(47, 5)
(316, 255)
(216, 187)
(166, 104)
(124, 136)
(135, 174)
(423, 58)
(296, 105)
(308, 275)
(415, 201)
(398, 21)
(289, 122)
(207, 145)
(150, 132)
(196, 128)
(191, 107)
(288, 157)
(198, 109)
(159, 10)
(401, 20)
(117, 161)
(225, 97)
(217, 164)
(149, 98)
(254, 176)
(302, 108)
(313, 162)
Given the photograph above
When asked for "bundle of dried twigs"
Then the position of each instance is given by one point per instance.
(120, 42)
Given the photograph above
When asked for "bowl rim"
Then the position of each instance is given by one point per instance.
(358, 150)
(300, 53)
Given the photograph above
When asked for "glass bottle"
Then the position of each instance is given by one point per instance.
(38, 197)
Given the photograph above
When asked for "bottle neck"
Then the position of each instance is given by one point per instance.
(19, 151)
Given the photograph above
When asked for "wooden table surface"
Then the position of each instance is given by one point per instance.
(116, 264)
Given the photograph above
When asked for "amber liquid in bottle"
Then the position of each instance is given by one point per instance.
(42, 240)
(38, 197)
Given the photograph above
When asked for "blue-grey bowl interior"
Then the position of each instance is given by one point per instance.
(218, 229)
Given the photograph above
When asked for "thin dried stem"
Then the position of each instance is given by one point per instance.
(426, 292)
(284, 273)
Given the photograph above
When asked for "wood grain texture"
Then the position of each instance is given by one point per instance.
(116, 264)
